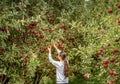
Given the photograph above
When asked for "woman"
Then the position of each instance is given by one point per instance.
(61, 66)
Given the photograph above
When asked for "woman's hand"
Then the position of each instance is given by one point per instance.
(49, 49)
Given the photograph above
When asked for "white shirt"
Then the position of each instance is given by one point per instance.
(60, 77)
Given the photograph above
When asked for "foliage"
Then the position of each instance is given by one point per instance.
(87, 30)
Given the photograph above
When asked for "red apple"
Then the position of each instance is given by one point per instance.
(102, 30)
(110, 11)
(52, 20)
(86, 75)
(105, 61)
(118, 5)
(49, 46)
(110, 82)
(115, 50)
(41, 36)
(34, 31)
(111, 72)
(62, 26)
(62, 46)
(112, 60)
(98, 53)
(31, 25)
(118, 20)
(1, 49)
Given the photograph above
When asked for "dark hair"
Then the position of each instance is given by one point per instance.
(66, 67)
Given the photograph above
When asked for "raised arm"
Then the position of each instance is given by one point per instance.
(58, 51)
(55, 63)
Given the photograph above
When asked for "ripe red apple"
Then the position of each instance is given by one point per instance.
(118, 20)
(62, 26)
(111, 72)
(41, 36)
(105, 61)
(112, 60)
(102, 30)
(101, 51)
(115, 50)
(49, 46)
(1, 49)
(118, 5)
(52, 20)
(110, 11)
(110, 82)
(31, 25)
(62, 46)
(86, 75)
(98, 53)
(34, 31)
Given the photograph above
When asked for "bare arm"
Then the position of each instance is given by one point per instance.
(58, 51)
(55, 63)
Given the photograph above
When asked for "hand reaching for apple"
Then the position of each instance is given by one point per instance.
(49, 48)
(55, 46)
